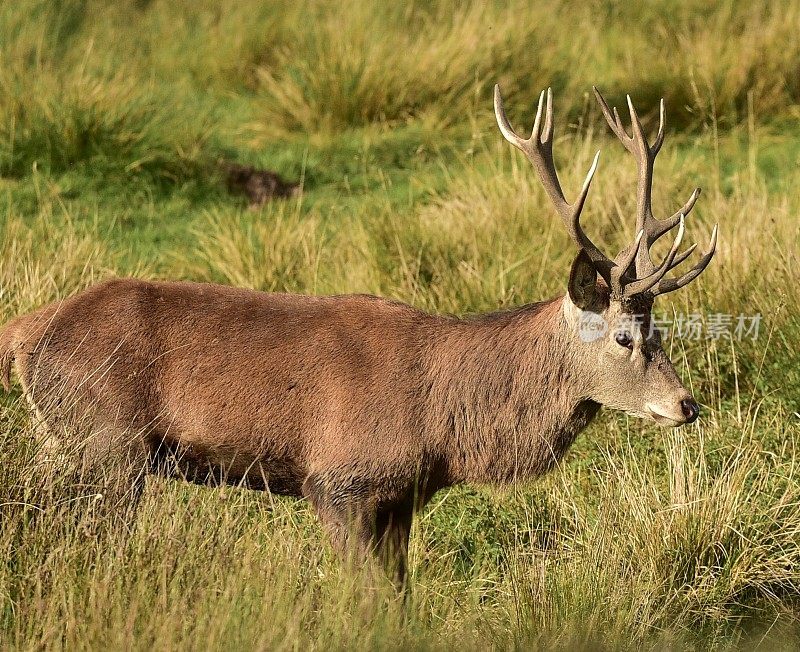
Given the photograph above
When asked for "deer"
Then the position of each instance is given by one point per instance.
(361, 405)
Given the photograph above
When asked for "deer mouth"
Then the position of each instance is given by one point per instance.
(662, 418)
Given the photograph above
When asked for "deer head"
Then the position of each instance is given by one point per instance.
(617, 349)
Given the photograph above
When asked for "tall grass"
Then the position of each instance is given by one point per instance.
(630, 550)
(713, 63)
(113, 127)
(112, 118)
(28, 277)
(414, 59)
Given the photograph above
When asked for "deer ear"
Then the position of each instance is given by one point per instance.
(583, 282)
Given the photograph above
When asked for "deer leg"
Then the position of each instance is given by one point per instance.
(106, 464)
(346, 520)
(393, 528)
(359, 532)
(115, 463)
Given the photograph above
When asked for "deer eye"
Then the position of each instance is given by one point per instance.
(623, 338)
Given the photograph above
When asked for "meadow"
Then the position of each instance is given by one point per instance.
(114, 118)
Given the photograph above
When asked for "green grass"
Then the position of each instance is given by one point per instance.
(113, 118)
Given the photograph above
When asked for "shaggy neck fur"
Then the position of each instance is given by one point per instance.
(506, 394)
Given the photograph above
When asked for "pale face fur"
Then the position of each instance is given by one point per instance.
(621, 354)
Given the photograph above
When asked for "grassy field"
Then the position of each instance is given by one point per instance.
(114, 117)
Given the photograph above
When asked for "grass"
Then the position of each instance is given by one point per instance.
(113, 118)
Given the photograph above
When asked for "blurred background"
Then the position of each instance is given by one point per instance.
(327, 147)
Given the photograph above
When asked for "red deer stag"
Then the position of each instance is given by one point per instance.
(364, 406)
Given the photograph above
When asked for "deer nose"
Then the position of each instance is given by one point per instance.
(690, 409)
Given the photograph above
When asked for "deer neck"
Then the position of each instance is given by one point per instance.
(508, 394)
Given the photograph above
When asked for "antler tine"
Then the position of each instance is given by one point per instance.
(624, 261)
(641, 285)
(612, 119)
(537, 122)
(679, 259)
(618, 121)
(639, 139)
(574, 227)
(662, 120)
(505, 126)
(672, 284)
(539, 151)
(547, 135)
(672, 221)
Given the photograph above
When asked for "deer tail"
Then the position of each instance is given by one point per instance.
(8, 346)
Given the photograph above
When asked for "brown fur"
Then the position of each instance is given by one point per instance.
(362, 405)
(259, 186)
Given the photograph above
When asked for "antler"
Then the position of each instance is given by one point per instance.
(539, 150)
(648, 277)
